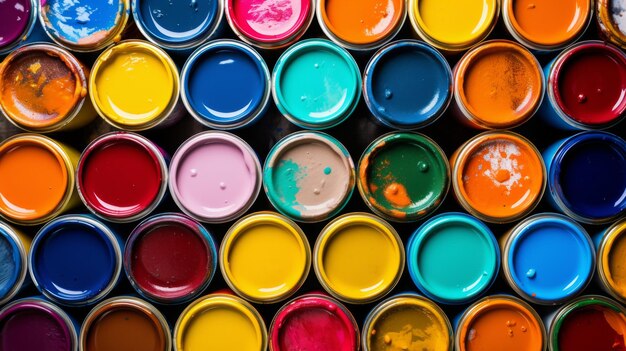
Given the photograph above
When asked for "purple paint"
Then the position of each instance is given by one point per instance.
(14, 19)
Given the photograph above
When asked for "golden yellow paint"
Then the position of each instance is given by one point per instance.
(134, 84)
(265, 257)
(451, 24)
(220, 322)
(359, 258)
(612, 264)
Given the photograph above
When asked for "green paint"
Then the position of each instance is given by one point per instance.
(327, 170)
(284, 183)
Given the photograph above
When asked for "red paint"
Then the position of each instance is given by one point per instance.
(120, 176)
(591, 83)
(314, 323)
(593, 328)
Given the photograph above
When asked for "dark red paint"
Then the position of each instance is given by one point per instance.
(587, 329)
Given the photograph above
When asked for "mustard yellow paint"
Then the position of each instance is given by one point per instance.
(220, 322)
(358, 258)
(265, 257)
(134, 84)
(611, 256)
(452, 24)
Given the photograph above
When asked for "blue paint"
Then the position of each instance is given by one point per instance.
(75, 260)
(550, 258)
(177, 22)
(587, 176)
(10, 263)
(226, 84)
(408, 85)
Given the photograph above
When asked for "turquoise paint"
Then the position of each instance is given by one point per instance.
(316, 84)
(328, 170)
(284, 184)
(453, 258)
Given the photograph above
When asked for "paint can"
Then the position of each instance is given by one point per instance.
(498, 176)
(611, 24)
(239, 88)
(75, 260)
(84, 26)
(361, 26)
(35, 324)
(316, 84)
(497, 84)
(403, 176)
(125, 323)
(314, 322)
(611, 246)
(536, 270)
(407, 322)
(36, 179)
(587, 176)
(179, 26)
(19, 19)
(453, 258)
(591, 322)
(453, 26)
(134, 86)
(220, 322)
(309, 176)
(272, 25)
(265, 257)
(170, 258)
(546, 25)
(14, 247)
(586, 87)
(407, 85)
(358, 258)
(500, 322)
(228, 190)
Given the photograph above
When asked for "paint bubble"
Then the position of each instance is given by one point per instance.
(531, 273)
(423, 167)
(531, 6)
(222, 185)
(193, 172)
(381, 109)
(302, 98)
(387, 339)
(317, 65)
(471, 335)
(327, 170)
(582, 98)
(523, 328)
(316, 191)
(388, 94)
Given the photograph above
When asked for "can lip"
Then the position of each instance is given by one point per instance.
(554, 75)
(420, 28)
(100, 143)
(208, 31)
(28, 28)
(64, 162)
(554, 173)
(251, 113)
(96, 227)
(146, 121)
(99, 41)
(155, 221)
(205, 138)
(252, 37)
(314, 301)
(44, 306)
(413, 214)
(424, 118)
(471, 57)
(459, 161)
(608, 25)
(329, 118)
(237, 230)
(525, 228)
(610, 236)
(126, 302)
(292, 141)
(217, 300)
(398, 301)
(494, 301)
(429, 228)
(334, 228)
(21, 262)
(359, 45)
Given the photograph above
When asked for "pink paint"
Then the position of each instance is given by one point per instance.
(314, 323)
(270, 21)
(215, 177)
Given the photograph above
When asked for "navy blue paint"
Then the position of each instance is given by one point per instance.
(10, 263)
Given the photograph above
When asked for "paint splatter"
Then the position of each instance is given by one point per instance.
(397, 195)
(504, 168)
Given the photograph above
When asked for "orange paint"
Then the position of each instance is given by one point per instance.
(499, 84)
(500, 323)
(365, 22)
(498, 176)
(396, 194)
(548, 22)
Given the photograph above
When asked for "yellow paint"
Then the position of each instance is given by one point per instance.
(452, 24)
(612, 265)
(358, 258)
(220, 322)
(265, 257)
(134, 84)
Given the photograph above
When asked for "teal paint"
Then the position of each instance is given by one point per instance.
(285, 183)
(328, 170)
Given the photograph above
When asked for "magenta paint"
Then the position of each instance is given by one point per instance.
(17, 18)
(215, 177)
